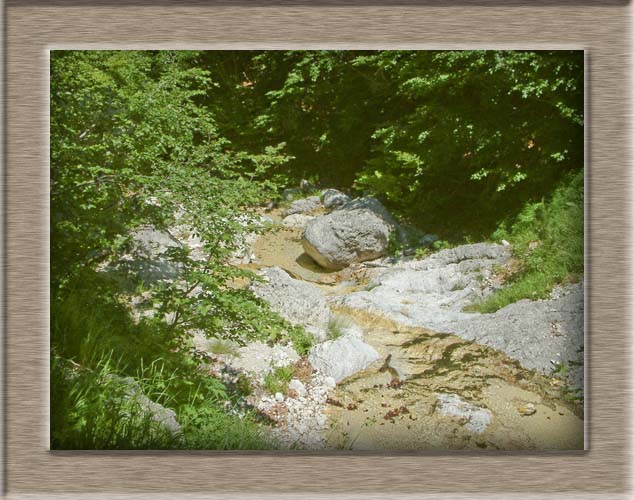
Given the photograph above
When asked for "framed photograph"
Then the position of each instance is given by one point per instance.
(294, 250)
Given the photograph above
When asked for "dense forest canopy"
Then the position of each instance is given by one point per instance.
(461, 143)
(457, 140)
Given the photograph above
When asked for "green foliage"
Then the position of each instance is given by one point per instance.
(90, 410)
(278, 379)
(302, 340)
(478, 132)
(421, 253)
(441, 245)
(210, 427)
(561, 369)
(454, 139)
(132, 144)
(457, 141)
(547, 238)
(95, 351)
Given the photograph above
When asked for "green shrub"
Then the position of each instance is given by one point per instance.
(210, 427)
(441, 245)
(421, 253)
(91, 409)
(278, 379)
(547, 238)
(302, 340)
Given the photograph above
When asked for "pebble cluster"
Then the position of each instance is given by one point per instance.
(300, 415)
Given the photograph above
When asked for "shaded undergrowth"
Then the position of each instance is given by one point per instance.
(547, 239)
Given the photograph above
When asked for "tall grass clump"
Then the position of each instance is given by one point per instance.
(93, 409)
(547, 239)
(337, 326)
(278, 379)
(103, 367)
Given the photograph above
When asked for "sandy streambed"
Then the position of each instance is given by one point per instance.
(438, 391)
(429, 390)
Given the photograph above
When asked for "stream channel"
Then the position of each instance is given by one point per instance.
(430, 390)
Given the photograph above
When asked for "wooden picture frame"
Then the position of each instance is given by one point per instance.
(33, 27)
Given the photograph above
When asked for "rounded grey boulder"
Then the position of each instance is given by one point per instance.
(358, 231)
(334, 199)
(303, 206)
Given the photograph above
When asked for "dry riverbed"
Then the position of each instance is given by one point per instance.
(429, 390)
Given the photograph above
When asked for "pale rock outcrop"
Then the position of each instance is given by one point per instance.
(303, 206)
(296, 301)
(342, 357)
(475, 419)
(297, 221)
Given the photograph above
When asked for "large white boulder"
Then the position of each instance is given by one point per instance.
(358, 231)
(342, 357)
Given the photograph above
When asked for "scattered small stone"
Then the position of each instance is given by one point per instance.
(334, 402)
(395, 412)
(279, 396)
(276, 413)
(395, 383)
(300, 421)
(527, 409)
(297, 386)
(330, 382)
(476, 419)
(352, 406)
